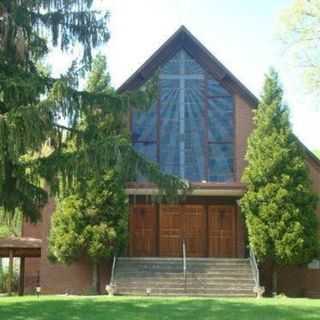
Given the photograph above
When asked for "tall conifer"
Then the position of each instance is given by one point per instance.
(33, 105)
(279, 204)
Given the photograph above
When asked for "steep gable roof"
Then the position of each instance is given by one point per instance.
(183, 39)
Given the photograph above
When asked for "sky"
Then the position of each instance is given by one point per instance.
(242, 34)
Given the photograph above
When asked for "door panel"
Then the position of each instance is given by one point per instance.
(194, 230)
(178, 222)
(143, 225)
(221, 231)
(170, 229)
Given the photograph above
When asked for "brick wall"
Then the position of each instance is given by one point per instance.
(243, 128)
(312, 277)
(32, 265)
(57, 278)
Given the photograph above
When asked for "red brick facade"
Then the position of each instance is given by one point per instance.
(57, 278)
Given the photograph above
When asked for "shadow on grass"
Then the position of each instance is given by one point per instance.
(122, 308)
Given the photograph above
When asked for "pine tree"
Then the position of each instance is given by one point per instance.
(37, 110)
(279, 205)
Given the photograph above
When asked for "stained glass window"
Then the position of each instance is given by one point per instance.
(169, 126)
(194, 131)
(220, 119)
(149, 149)
(195, 123)
(144, 132)
(220, 162)
(215, 89)
(145, 123)
(220, 133)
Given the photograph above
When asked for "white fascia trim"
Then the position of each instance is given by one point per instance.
(197, 192)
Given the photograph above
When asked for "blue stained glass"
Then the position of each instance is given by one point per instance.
(216, 89)
(183, 127)
(172, 66)
(194, 130)
(144, 124)
(148, 149)
(169, 126)
(220, 161)
(191, 66)
(169, 93)
(220, 120)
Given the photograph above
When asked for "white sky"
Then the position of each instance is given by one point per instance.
(240, 33)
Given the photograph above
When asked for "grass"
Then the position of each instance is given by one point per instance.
(136, 308)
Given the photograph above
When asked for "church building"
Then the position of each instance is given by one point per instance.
(197, 129)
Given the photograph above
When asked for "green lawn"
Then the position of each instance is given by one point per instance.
(125, 308)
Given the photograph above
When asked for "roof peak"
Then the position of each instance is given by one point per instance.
(182, 28)
(184, 39)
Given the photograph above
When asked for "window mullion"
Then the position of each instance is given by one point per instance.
(182, 115)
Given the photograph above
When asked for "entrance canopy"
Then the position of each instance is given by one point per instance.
(20, 247)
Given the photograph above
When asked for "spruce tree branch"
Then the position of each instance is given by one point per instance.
(59, 126)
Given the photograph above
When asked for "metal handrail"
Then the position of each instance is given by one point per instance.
(184, 252)
(113, 268)
(254, 266)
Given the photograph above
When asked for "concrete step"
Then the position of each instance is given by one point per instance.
(189, 279)
(217, 274)
(174, 259)
(242, 262)
(181, 286)
(190, 282)
(180, 266)
(165, 276)
(188, 292)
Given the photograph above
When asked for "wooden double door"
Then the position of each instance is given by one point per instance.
(180, 223)
(208, 231)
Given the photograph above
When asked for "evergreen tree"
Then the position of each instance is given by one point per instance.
(10, 225)
(37, 109)
(91, 219)
(279, 205)
(91, 224)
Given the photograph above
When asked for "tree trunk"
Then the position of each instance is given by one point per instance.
(95, 278)
(274, 280)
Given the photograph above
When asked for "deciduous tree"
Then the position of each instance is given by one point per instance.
(300, 31)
